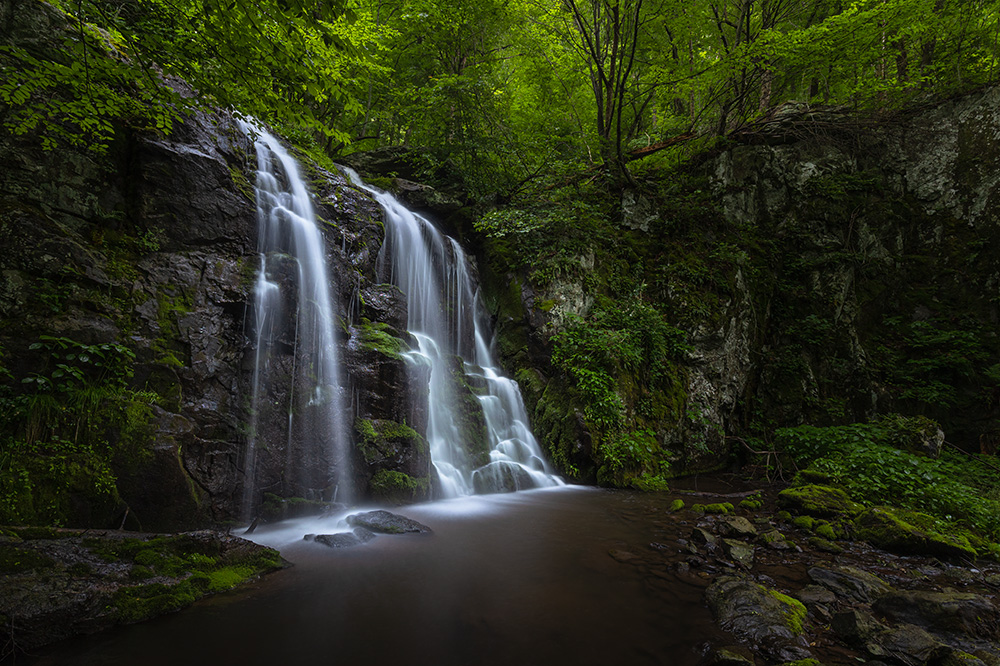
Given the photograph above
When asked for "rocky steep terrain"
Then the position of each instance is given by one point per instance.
(126, 281)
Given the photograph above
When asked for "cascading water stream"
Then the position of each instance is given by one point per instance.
(445, 315)
(293, 274)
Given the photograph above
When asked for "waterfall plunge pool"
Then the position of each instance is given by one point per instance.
(564, 575)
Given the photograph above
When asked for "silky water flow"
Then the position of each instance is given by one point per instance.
(446, 316)
(293, 309)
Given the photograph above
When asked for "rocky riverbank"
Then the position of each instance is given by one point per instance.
(56, 583)
(798, 582)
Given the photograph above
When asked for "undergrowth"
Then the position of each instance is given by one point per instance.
(876, 464)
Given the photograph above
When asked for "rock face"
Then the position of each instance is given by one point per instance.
(150, 250)
(875, 226)
(864, 260)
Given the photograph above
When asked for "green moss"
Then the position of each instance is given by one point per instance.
(804, 522)
(905, 531)
(818, 500)
(649, 484)
(826, 531)
(30, 533)
(825, 545)
(140, 573)
(167, 346)
(793, 610)
(227, 578)
(379, 440)
(193, 564)
(380, 337)
(397, 487)
(723, 508)
(16, 560)
(676, 506)
(752, 503)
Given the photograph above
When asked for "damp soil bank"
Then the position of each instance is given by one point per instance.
(562, 576)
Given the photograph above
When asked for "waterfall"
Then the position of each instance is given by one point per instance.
(296, 403)
(451, 326)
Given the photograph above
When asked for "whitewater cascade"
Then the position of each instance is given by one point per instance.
(293, 276)
(451, 326)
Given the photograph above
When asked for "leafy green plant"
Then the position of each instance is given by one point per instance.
(870, 462)
(75, 416)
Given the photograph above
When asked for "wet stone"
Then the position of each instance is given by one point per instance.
(698, 535)
(384, 522)
(736, 526)
(775, 540)
(855, 626)
(950, 612)
(850, 583)
(739, 551)
(816, 594)
(822, 544)
(907, 644)
(730, 655)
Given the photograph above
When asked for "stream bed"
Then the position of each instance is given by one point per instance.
(557, 576)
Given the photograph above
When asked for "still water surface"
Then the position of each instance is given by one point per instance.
(558, 576)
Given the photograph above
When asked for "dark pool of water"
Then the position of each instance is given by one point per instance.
(567, 576)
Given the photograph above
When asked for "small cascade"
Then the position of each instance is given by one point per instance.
(445, 315)
(296, 403)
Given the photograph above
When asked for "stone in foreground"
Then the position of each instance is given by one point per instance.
(767, 621)
(384, 522)
(356, 537)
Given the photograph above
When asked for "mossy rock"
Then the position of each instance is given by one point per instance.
(804, 522)
(826, 531)
(815, 500)
(910, 532)
(382, 338)
(720, 508)
(398, 488)
(766, 619)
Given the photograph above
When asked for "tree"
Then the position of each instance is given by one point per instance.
(283, 61)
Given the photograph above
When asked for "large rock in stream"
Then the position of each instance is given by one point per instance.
(768, 621)
(384, 522)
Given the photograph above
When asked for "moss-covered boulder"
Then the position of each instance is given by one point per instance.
(768, 621)
(55, 583)
(910, 532)
(816, 500)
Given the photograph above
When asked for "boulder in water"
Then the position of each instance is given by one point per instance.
(501, 477)
(356, 537)
(384, 522)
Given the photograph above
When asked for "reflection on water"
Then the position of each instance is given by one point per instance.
(557, 576)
